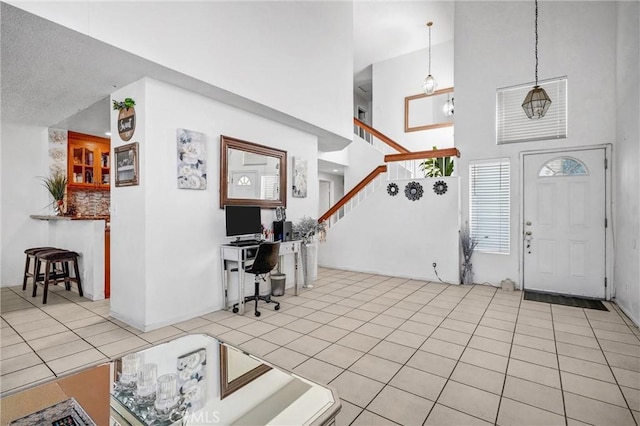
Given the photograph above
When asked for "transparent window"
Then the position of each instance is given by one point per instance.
(244, 181)
(563, 166)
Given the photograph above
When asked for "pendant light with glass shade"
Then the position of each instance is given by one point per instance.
(537, 102)
(429, 85)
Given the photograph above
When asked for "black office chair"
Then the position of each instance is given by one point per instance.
(265, 261)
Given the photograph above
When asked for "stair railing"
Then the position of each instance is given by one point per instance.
(352, 198)
(378, 140)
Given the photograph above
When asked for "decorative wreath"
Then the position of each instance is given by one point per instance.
(440, 187)
(413, 191)
(392, 189)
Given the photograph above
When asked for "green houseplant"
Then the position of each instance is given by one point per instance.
(56, 184)
(436, 167)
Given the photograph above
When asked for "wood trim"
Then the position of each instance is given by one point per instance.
(81, 137)
(227, 142)
(386, 139)
(408, 129)
(418, 155)
(349, 195)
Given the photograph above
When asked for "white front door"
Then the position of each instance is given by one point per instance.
(564, 222)
(244, 184)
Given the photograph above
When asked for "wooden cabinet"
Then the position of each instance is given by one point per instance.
(89, 161)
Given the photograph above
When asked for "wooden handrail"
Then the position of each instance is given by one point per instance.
(349, 195)
(384, 138)
(418, 155)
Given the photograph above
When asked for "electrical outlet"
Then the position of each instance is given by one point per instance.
(434, 264)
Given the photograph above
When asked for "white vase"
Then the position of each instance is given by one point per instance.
(309, 262)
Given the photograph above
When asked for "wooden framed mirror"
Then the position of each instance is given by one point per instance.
(425, 112)
(252, 174)
(237, 369)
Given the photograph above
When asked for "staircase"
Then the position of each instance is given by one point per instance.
(400, 163)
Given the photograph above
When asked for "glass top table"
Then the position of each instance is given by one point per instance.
(198, 379)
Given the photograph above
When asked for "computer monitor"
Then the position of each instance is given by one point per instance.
(242, 220)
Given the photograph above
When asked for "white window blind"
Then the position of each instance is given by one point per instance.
(489, 205)
(513, 125)
(269, 188)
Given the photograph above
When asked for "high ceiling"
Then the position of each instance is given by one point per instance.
(64, 75)
(385, 29)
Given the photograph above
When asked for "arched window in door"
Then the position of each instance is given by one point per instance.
(563, 166)
(244, 181)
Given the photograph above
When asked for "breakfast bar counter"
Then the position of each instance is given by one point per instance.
(86, 236)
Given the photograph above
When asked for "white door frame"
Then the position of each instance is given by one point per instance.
(608, 251)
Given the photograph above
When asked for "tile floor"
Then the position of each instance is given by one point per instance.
(398, 351)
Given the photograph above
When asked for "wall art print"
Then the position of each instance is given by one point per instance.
(191, 379)
(299, 177)
(57, 151)
(192, 163)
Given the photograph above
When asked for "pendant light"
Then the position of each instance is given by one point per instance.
(537, 102)
(429, 85)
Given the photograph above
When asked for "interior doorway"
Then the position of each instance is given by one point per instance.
(325, 196)
(564, 222)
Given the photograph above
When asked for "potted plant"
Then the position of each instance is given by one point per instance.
(306, 229)
(436, 167)
(57, 187)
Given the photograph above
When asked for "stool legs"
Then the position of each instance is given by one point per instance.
(50, 274)
(76, 269)
(26, 273)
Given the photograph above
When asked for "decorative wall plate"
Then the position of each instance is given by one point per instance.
(413, 191)
(392, 189)
(440, 187)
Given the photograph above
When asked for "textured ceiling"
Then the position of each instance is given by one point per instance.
(51, 75)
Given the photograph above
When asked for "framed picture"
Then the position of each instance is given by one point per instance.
(192, 160)
(299, 178)
(126, 164)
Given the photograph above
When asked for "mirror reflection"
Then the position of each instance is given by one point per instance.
(252, 174)
(237, 369)
(424, 112)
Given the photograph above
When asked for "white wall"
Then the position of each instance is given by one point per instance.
(296, 57)
(180, 231)
(577, 39)
(399, 77)
(627, 159)
(363, 158)
(24, 158)
(129, 210)
(399, 237)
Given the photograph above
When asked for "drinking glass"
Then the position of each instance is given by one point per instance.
(146, 385)
(167, 396)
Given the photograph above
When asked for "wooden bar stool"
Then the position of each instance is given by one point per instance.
(32, 253)
(51, 276)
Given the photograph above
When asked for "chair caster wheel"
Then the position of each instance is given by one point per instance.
(257, 313)
(277, 308)
(235, 310)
